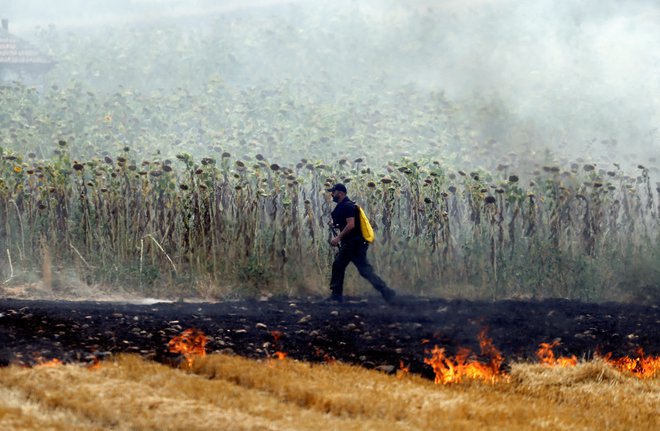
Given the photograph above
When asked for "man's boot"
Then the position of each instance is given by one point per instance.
(389, 295)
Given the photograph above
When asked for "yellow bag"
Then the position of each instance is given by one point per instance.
(365, 227)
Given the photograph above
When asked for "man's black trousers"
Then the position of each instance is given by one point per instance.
(354, 250)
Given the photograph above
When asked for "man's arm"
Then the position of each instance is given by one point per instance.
(350, 225)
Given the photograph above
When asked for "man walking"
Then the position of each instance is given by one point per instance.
(352, 247)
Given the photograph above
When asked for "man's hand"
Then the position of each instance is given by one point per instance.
(334, 241)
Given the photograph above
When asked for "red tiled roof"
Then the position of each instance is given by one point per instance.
(17, 52)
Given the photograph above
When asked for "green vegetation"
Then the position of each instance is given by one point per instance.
(177, 163)
(158, 225)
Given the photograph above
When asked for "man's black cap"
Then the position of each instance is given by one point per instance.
(337, 188)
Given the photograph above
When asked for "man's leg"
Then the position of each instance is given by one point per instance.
(367, 271)
(342, 259)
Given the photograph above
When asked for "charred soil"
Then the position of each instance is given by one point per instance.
(365, 332)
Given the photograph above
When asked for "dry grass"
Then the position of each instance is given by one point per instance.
(227, 392)
(220, 228)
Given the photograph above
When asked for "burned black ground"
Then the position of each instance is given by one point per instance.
(365, 332)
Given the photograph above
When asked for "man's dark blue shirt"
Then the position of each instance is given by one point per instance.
(342, 211)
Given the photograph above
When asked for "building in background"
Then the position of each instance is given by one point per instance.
(19, 60)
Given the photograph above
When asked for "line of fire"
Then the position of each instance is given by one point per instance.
(487, 366)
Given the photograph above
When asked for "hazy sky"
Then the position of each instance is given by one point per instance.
(592, 66)
(26, 14)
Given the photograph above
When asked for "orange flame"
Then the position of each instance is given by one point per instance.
(41, 362)
(642, 366)
(191, 343)
(489, 349)
(454, 370)
(403, 370)
(547, 356)
(95, 365)
(277, 356)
